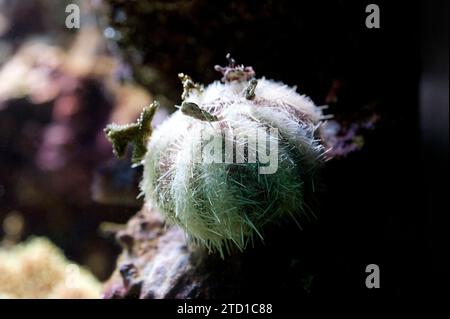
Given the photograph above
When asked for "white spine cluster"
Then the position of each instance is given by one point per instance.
(224, 204)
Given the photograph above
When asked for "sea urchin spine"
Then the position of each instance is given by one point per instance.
(238, 155)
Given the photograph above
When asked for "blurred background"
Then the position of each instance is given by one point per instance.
(384, 197)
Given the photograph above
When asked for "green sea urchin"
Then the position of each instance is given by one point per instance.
(239, 154)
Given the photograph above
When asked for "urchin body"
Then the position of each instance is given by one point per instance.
(238, 155)
(225, 202)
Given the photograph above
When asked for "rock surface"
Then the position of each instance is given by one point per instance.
(157, 263)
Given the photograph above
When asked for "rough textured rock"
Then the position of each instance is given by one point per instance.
(157, 263)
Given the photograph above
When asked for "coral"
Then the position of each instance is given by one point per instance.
(207, 167)
(38, 269)
(55, 99)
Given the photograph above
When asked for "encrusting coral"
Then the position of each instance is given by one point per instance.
(38, 269)
(238, 154)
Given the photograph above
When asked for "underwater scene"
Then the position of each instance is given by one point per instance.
(248, 151)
